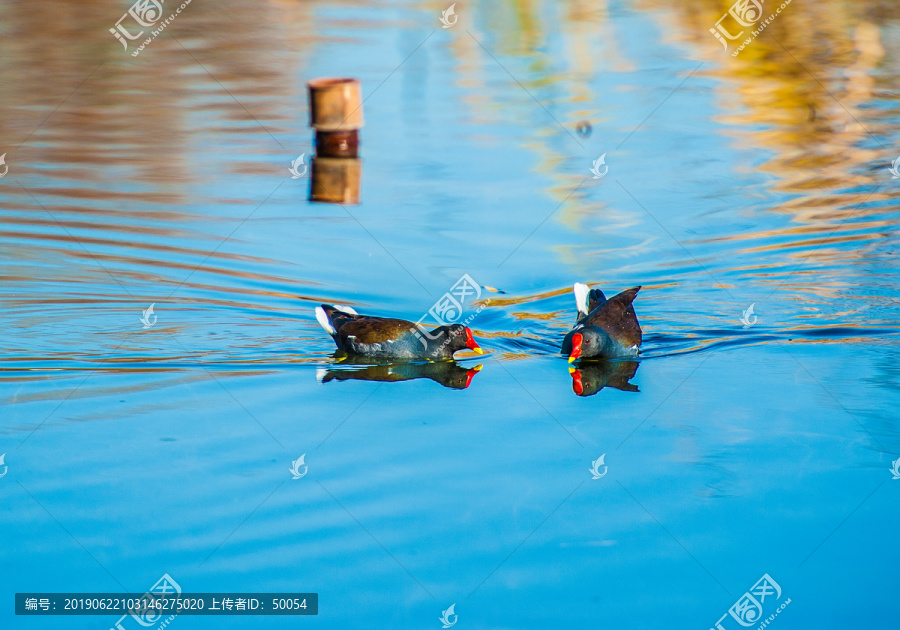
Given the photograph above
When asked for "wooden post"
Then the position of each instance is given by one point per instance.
(335, 112)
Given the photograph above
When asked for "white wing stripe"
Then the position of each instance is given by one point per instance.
(581, 297)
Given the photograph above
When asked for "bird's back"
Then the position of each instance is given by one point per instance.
(617, 318)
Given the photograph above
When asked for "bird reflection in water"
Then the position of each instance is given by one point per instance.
(448, 373)
(592, 376)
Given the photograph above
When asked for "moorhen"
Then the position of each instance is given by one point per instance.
(604, 329)
(369, 336)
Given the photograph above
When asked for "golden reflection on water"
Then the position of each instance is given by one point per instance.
(806, 89)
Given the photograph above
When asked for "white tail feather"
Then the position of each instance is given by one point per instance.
(324, 321)
(581, 297)
(346, 309)
(321, 373)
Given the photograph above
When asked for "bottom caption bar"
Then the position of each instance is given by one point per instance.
(148, 608)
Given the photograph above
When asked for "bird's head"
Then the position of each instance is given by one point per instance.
(461, 337)
(585, 343)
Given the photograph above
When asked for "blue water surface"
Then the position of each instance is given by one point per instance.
(739, 444)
